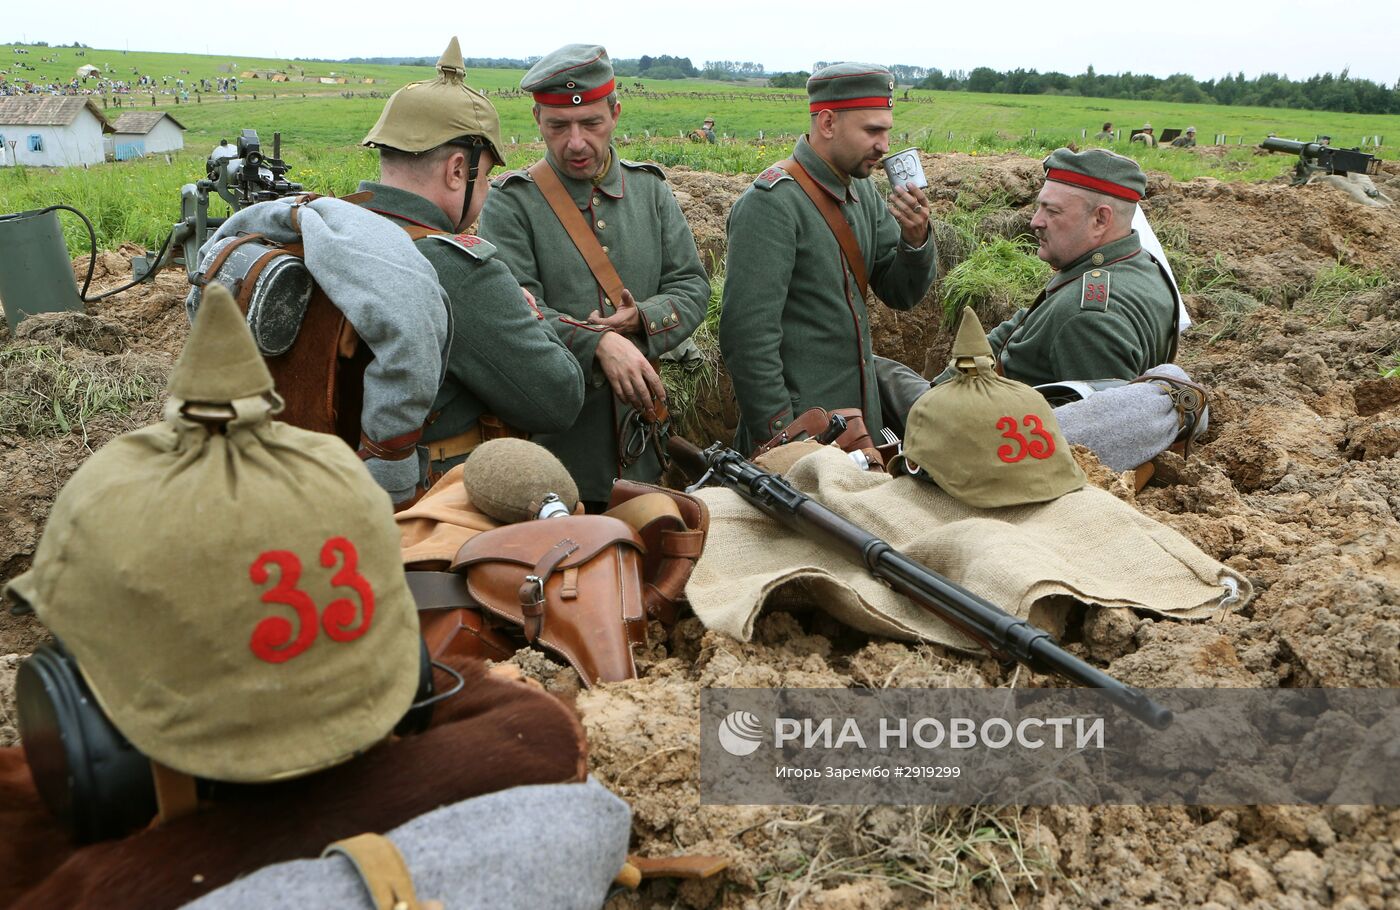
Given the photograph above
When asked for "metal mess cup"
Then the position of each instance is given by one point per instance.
(904, 167)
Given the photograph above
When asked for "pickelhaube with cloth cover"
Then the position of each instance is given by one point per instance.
(1099, 170)
(850, 86)
(573, 75)
(424, 115)
(230, 587)
(986, 440)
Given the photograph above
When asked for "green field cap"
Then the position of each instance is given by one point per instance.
(850, 86)
(1099, 170)
(424, 115)
(986, 440)
(508, 479)
(234, 597)
(574, 74)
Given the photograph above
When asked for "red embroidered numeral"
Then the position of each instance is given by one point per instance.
(1043, 446)
(340, 613)
(274, 639)
(1006, 453)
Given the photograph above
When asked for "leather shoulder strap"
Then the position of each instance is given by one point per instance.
(381, 868)
(418, 231)
(845, 237)
(568, 214)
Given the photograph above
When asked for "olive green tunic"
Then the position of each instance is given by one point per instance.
(794, 332)
(503, 360)
(1111, 314)
(640, 226)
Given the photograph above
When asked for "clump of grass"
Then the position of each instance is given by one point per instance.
(44, 392)
(999, 275)
(690, 384)
(1227, 311)
(940, 852)
(1334, 286)
(1390, 366)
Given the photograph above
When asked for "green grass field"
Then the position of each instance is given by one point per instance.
(137, 200)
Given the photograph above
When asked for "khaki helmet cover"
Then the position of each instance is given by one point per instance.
(235, 599)
(986, 440)
(424, 115)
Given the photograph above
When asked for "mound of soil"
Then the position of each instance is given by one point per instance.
(1297, 485)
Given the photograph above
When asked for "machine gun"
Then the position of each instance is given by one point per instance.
(1004, 635)
(1325, 157)
(241, 176)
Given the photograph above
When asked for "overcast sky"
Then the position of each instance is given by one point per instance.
(1205, 39)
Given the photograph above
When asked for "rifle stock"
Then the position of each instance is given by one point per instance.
(1005, 636)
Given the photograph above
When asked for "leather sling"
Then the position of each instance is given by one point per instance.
(845, 237)
(562, 204)
(381, 869)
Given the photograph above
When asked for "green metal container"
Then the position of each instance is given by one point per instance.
(36, 275)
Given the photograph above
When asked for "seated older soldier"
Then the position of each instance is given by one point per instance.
(1109, 312)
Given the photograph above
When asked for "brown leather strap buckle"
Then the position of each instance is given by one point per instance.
(532, 589)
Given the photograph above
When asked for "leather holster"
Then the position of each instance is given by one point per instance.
(573, 584)
(672, 526)
(814, 422)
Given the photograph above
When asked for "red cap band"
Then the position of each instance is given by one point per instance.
(850, 103)
(1092, 183)
(570, 100)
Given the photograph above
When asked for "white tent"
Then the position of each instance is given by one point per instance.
(87, 69)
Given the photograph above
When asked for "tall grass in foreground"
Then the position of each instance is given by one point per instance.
(46, 393)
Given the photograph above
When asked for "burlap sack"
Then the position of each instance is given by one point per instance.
(232, 593)
(1085, 545)
(985, 439)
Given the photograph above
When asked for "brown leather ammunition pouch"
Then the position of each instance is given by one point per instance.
(844, 426)
(573, 584)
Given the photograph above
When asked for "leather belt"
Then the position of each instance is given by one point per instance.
(453, 446)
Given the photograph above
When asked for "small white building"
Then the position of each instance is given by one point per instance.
(51, 131)
(139, 133)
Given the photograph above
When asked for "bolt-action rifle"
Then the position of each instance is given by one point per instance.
(1005, 636)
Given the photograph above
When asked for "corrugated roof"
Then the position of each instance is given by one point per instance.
(141, 122)
(47, 110)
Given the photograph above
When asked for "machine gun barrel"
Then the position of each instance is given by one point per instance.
(1274, 144)
(1004, 635)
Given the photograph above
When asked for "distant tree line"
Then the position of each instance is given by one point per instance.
(1325, 92)
(663, 66)
(484, 63)
(732, 70)
(790, 80)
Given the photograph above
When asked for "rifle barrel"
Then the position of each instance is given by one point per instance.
(1004, 635)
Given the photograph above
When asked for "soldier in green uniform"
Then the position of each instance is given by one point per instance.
(628, 212)
(1105, 134)
(795, 331)
(1109, 312)
(437, 142)
(1145, 136)
(1186, 140)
